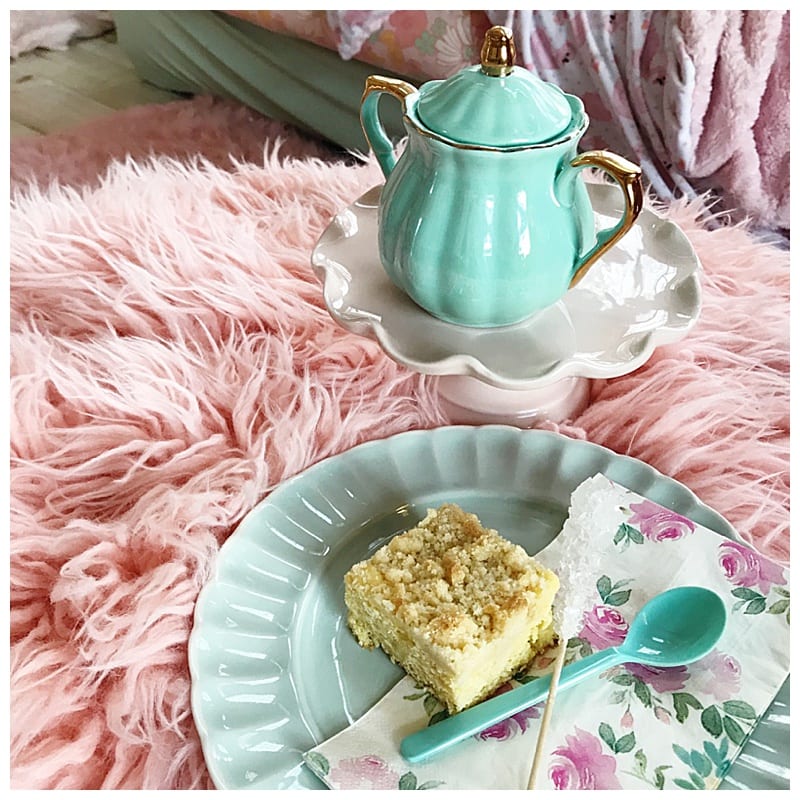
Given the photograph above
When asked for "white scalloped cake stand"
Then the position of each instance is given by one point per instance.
(643, 293)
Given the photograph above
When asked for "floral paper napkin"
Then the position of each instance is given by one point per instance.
(631, 727)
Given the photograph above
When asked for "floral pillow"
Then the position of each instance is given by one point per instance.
(421, 45)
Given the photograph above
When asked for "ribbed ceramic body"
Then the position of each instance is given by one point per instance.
(484, 237)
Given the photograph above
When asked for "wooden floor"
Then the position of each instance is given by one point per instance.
(52, 90)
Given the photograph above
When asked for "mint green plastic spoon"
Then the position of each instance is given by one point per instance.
(676, 627)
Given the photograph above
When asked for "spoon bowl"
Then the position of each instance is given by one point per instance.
(676, 627)
(673, 628)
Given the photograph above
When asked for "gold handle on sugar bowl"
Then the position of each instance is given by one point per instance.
(629, 178)
(381, 145)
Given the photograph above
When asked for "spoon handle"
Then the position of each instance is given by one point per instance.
(441, 735)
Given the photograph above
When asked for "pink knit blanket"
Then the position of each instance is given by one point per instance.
(172, 362)
(699, 98)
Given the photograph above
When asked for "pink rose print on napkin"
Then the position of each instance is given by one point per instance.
(743, 566)
(661, 679)
(718, 675)
(603, 627)
(364, 772)
(659, 524)
(507, 728)
(580, 764)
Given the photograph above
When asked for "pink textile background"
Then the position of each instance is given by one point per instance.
(700, 99)
(172, 362)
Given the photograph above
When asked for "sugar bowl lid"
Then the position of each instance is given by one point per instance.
(495, 103)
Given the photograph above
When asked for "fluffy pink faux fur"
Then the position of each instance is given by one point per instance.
(172, 362)
(222, 131)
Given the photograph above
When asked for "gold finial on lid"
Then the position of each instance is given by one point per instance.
(498, 51)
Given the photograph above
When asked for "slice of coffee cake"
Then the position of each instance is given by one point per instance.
(459, 607)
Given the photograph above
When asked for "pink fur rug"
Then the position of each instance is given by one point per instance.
(222, 131)
(172, 362)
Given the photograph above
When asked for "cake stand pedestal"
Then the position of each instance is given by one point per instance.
(645, 292)
(471, 401)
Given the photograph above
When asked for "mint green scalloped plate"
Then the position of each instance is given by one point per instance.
(274, 669)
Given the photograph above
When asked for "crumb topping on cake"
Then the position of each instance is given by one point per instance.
(466, 588)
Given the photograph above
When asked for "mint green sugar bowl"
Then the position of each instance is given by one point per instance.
(484, 218)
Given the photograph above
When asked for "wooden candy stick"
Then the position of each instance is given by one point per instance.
(592, 513)
(548, 708)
